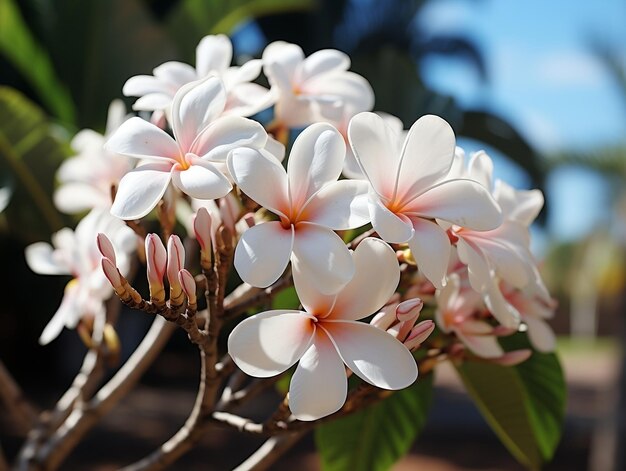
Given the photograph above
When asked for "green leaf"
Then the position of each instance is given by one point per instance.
(191, 20)
(524, 404)
(19, 46)
(286, 299)
(376, 437)
(29, 157)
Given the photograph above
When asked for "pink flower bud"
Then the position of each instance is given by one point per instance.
(409, 309)
(156, 260)
(202, 229)
(188, 284)
(385, 318)
(112, 273)
(419, 334)
(175, 263)
(229, 211)
(106, 247)
(513, 358)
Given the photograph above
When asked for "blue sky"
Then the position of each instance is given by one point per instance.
(545, 79)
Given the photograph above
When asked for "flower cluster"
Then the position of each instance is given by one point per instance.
(442, 233)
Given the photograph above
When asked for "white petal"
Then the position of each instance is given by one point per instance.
(321, 257)
(501, 309)
(431, 249)
(427, 155)
(213, 54)
(345, 87)
(246, 99)
(484, 346)
(140, 190)
(392, 228)
(281, 60)
(373, 354)
(276, 148)
(462, 202)
(480, 169)
(153, 102)
(63, 316)
(374, 147)
(478, 269)
(76, 197)
(310, 297)
(263, 252)
(228, 133)
(175, 74)
(510, 263)
(321, 62)
(195, 106)
(518, 205)
(319, 386)
(540, 334)
(41, 259)
(246, 73)
(316, 159)
(339, 205)
(267, 344)
(140, 85)
(262, 178)
(201, 180)
(376, 278)
(141, 139)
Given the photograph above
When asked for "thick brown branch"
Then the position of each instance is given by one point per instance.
(269, 452)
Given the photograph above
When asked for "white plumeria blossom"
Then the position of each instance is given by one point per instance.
(76, 253)
(310, 204)
(504, 252)
(202, 140)
(87, 177)
(456, 305)
(408, 196)
(325, 335)
(314, 88)
(213, 57)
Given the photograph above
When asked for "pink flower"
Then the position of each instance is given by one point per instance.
(202, 140)
(408, 196)
(325, 335)
(309, 203)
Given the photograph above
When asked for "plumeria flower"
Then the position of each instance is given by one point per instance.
(314, 88)
(407, 195)
(309, 203)
(456, 309)
(325, 335)
(86, 178)
(213, 57)
(76, 253)
(202, 138)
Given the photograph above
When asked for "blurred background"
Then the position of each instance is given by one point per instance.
(540, 85)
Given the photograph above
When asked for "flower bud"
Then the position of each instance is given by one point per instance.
(175, 263)
(419, 334)
(106, 247)
(409, 310)
(156, 260)
(513, 358)
(112, 274)
(202, 229)
(189, 285)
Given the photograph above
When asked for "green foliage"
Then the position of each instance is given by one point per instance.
(524, 404)
(20, 48)
(29, 156)
(192, 19)
(375, 438)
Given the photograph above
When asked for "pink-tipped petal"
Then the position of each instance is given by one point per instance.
(105, 247)
(267, 344)
(188, 284)
(316, 159)
(156, 261)
(202, 228)
(202, 180)
(141, 139)
(427, 155)
(419, 334)
(366, 294)
(484, 346)
(263, 252)
(391, 227)
(319, 386)
(339, 205)
(431, 250)
(140, 190)
(262, 178)
(322, 257)
(372, 354)
(175, 259)
(409, 309)
(111, 272)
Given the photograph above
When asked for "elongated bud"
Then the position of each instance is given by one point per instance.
(112, 274)
(229, 211)
(175, 263)
(106, 247)
(189, 286)
(513, 358)
(419, 334)
(156, 262)
(202, 228)
(409, 309)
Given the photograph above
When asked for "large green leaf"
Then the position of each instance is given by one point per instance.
(375, 438)
(524, 405)
(29, 157)
(190, 20)
(20, 48)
